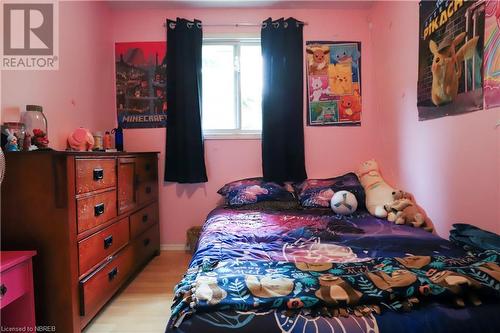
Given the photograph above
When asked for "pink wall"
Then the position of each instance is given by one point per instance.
(451, 164)
(81, 92)
(329, 151)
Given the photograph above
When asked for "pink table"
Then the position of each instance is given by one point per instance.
(17, 303)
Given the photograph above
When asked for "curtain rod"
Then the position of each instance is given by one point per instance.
(233, 24)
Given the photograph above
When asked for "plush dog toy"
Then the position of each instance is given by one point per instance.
(404, 210)
(378, 192)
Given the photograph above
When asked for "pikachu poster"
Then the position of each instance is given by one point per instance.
(334, 83)
(450, 72)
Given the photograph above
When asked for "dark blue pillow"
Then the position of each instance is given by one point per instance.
(317, 193)
(254, 190)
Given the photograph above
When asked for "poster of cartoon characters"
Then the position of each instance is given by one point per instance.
(450, 73)
(492, 54)
(140, 84)
(334, 83)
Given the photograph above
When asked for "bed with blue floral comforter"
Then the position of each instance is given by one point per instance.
(314, 271)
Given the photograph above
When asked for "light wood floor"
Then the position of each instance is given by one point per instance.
(144, 305)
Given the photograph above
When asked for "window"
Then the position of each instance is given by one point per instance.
(232, 88)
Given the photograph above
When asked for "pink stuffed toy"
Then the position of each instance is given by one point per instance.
(81, 139)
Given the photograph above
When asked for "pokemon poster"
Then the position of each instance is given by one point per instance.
(450, 72)
(492, 54)
(140, 84)
(334, 83)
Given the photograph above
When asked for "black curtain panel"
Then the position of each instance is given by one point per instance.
(282, 101)
(185, 159)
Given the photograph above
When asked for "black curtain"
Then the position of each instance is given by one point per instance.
(282, 101)
(185, 160)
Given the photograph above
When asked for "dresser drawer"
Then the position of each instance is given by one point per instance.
(143, 220)
(14, 283)
(97, 288)
(146, 245)
(100, 245)
(95, 174)
(147, 178)
(95, 210)
(146, 191)
(147, 168)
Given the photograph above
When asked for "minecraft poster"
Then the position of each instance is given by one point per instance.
(140, 84)
(450, 71)
(334, 83)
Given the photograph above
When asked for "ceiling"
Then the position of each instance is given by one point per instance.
(338, 4)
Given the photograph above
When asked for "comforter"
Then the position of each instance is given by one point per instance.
(314, 271)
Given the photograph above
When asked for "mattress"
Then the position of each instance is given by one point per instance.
(235, 245)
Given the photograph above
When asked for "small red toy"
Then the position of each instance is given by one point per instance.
(39, 139)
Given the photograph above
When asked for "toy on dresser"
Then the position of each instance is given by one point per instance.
(404, 210)
(81, 140)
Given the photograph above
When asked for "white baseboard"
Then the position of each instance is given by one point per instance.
(173, 247)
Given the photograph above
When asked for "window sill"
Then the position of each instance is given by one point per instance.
(232, 136)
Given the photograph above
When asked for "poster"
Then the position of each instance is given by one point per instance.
(140, 84)
(450, 73)
(492, 54)
(334, 83)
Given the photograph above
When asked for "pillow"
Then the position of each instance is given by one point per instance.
(253, 190)
(271, 205)
(317, 193)
(232, 185)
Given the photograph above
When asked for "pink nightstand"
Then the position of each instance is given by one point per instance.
(17, 303)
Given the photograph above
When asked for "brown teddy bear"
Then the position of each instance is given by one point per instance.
(404, 210)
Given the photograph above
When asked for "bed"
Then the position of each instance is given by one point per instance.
(238, 279)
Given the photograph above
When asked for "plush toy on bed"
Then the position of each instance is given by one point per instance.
(404, 210)
(378, 193)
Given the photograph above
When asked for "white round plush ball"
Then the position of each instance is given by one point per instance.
(344, 202)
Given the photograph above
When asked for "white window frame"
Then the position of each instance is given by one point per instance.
(238, 133)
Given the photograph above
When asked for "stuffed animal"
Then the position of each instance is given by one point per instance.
(345, 53)
(327, 114)
(81, 139)
(404, 210)
(378, 192)
(12, 144)
(317, 89)
(350, 107)
(39, 139)
(340, 78)
(319, 65)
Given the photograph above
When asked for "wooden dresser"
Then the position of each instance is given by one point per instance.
(91, 217)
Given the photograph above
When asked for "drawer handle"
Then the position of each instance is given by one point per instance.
(3, 290)
(98, 174)
(112, 273)
(148, 189)
(146, 241)
(99, 209)
(144, 218)
(108, 241)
